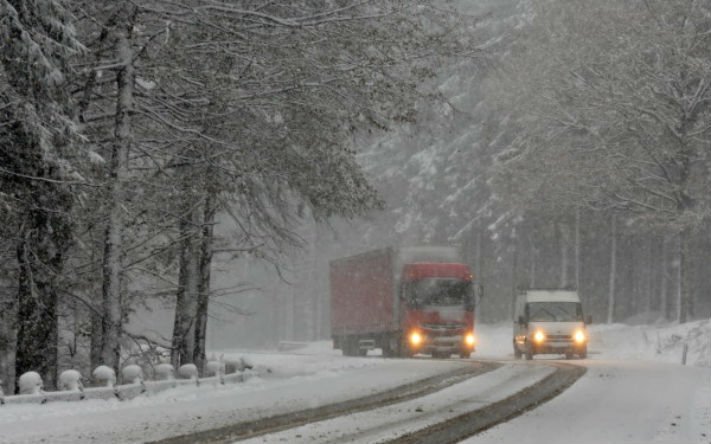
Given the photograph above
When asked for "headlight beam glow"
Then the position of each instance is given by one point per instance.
(470, 339)
(579, 337)
(415, 338)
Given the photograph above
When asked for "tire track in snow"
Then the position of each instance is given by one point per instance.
(278, 423)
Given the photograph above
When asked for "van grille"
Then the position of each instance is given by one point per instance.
(559, 337)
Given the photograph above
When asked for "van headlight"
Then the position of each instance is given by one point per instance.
(579, 337)
(539, 336)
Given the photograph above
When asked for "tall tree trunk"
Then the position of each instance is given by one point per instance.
(649, 276)
(37, 311)
(8, 341)
(532, 262)
(183, 344)
(613, 271)
(577, 249)
(682, 273)
(663, 291)
(112, 267)
(208, 224)
(96, 340)
(43, 239)
(514, 275)
(478, 277)
(289, 308)
(563, 244)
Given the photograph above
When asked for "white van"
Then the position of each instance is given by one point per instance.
(549, 322)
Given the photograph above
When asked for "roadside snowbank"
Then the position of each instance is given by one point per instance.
(315, 377)
(655, 342)
(661, 342)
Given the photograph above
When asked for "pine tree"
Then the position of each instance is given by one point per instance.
(37, 40)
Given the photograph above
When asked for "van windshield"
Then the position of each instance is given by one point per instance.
(554, 311)
(440, 291)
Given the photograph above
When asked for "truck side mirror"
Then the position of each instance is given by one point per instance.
(588, 319)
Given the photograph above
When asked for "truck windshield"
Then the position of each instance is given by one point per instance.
(440, 291)
(554, 311)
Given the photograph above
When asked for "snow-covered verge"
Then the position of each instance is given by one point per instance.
(656, 342)
(310, 377)
(125, 391)
(660, 342)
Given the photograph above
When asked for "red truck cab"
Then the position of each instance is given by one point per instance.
(437, 299)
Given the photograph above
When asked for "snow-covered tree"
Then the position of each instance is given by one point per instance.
(613, 100)
(39, 151)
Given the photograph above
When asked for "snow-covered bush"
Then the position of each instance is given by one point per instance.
(104, 375)
(239, 365)
(70, 380)
(30, 383)
(214, 368)
(131, 374)
(164, 372)
(188, 371)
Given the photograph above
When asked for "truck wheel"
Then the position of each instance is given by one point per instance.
(350, 347)
(389, 347)
(404, 351)
(517, 352)
(583, 353)
(568, 355)
(465, 354)
(529, 354)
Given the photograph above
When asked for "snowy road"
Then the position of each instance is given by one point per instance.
(622, 402)
(386, 423)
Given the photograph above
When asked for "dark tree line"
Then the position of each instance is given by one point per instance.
(126, 127)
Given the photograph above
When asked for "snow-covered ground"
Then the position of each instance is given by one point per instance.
(634, 373)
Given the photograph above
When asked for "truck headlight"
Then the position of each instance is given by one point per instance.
(416, 338)
(579, 336)
(539, 336)
(470, 339)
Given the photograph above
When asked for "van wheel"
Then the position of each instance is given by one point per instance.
(465, 354)
(517, 352)
(529, 354)
(568, 355)
(583, 353)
